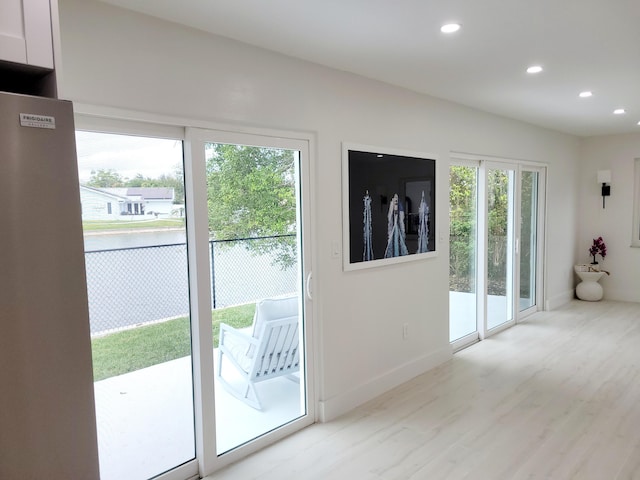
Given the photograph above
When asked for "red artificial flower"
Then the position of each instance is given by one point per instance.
(598, 247)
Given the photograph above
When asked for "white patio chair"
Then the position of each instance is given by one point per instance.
(270, 352)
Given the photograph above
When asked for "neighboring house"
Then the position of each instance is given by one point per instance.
(114, 203)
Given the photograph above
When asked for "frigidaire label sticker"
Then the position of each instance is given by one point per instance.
(37, 121)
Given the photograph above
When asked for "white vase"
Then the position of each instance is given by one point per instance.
(589, 289)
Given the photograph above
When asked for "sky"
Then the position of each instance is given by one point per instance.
(126, 154)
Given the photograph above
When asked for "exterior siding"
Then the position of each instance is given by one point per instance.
(95, 205)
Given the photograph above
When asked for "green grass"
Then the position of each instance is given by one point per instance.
(141, 347)
(97, 225)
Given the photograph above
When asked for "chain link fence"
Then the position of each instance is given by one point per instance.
(130, 287)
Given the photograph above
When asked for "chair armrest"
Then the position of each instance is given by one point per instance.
(226, 329)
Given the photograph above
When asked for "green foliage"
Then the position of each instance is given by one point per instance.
(462, 228)
(105, 178)
(237, 317)
(131, 350)
(142, 347)
(251, 193)
(498, 197)
(462, 225)
(93, 225)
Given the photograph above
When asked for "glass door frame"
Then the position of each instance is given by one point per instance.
(474, 336)
(102, 119)
(197, 232)
(96, 120)
(540, 238)
(484, 163)
(512, 240)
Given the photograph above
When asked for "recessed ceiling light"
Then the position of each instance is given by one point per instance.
(586, 94)
(450, 28)
(619, 111)
(534, 69)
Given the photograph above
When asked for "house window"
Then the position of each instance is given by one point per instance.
(109, 208)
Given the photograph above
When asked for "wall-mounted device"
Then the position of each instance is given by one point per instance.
(604, 179)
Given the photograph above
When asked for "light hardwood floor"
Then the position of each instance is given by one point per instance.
(555, 397)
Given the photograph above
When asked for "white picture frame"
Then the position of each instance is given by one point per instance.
(394, 180)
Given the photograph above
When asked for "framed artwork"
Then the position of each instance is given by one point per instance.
(388, 206)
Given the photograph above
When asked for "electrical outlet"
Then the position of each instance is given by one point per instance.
(405, 331)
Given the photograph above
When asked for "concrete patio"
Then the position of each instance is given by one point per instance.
(462, 312)
(146, 425)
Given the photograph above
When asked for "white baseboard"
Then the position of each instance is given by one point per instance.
(622, 295)
(347, 401)
(559, 300)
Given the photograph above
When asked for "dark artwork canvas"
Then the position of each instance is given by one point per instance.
(391, 205)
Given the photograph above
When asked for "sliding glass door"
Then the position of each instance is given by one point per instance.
(499, 259)
(463, 246)
(198, 273)
(132, 195)
(252, 198)
(531, 184)
(251, 244)
(496, 222)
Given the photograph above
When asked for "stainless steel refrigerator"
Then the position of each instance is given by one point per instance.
(47, 413)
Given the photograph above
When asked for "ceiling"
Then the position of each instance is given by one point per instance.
(581, 44)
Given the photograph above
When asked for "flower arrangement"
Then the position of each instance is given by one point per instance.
(598, 248)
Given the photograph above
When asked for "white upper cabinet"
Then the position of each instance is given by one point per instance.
(25, 32)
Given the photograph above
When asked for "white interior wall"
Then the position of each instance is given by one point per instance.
(615, 153)
(117, 58)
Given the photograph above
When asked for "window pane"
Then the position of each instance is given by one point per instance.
(132, 195)
(528, 239)
(256, 265)
(499, 247)
(462, 251)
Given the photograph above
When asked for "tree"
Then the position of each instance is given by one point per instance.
(499, 184)
(462, 228)
(105, 178)
(251, 193)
